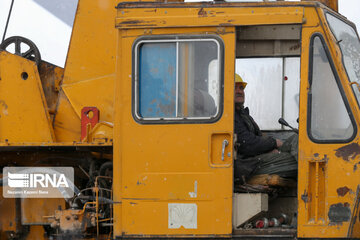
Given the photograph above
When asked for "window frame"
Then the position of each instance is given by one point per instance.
(342, 55)
(340, 87)
(174, 39)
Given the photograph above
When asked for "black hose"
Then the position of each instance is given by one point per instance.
(104, 167)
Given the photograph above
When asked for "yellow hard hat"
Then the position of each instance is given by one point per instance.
(238, 79)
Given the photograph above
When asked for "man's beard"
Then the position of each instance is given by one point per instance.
(239, 106)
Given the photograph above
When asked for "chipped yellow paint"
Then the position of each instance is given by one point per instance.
(153, 17)
(23, 108)
(322, 172)
(158, 165)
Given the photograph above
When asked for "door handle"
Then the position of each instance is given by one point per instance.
(224, 144)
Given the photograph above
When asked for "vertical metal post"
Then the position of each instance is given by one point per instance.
(177, 80)
(283, 90)
(7, 21)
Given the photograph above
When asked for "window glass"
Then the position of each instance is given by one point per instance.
(177, 79)
(350, 47)
(272, 90)
(291, 90)
(329, 119)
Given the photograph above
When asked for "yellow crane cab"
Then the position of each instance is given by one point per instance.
(175, 159)
(143, 111)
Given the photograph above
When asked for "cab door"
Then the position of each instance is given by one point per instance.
(173, 171)
(328, 189)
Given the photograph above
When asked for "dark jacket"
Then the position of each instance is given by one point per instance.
(249, 137)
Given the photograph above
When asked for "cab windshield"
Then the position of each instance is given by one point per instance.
(349, 44)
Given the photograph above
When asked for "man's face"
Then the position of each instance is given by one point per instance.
(239, 93)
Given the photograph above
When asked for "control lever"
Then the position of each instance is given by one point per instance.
(285, 123)
(224, 144)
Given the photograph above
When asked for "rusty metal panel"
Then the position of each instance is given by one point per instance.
(50, 76)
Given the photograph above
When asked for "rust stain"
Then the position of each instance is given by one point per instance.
(154, 10)
(305, 197)
(345, 152)
(141, 25)
(295, 47)
(339, 212)
(342, 191)
(355, 166)
(325, 159)
(226, 24)
(202, 13)
(132, 22)
(335, 224)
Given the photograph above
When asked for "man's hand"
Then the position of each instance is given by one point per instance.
(275, 151)
(279, 143)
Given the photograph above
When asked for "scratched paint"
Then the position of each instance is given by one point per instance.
(4, 108)
(342, 191)
(339, 212)
(356, 166)
(345, 152)
(305, 197)
(194, 193)
(202, 13)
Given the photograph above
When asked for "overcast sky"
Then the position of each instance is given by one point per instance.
(52, 35)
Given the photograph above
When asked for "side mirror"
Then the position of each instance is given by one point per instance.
(357, 84)
(285, 123)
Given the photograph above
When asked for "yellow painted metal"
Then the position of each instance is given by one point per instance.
(162, 164)
(95, 92)
(24, 113)
(153, 17)
(333, 4)
(96, 137)
(155, 165)
(92, 47)
(101, 133)
(322, 174)
(66, 122)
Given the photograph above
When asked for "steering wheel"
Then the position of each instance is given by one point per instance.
(29, 51)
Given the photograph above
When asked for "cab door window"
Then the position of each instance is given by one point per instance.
(330, 118)
(178, 79)
(349, 44)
